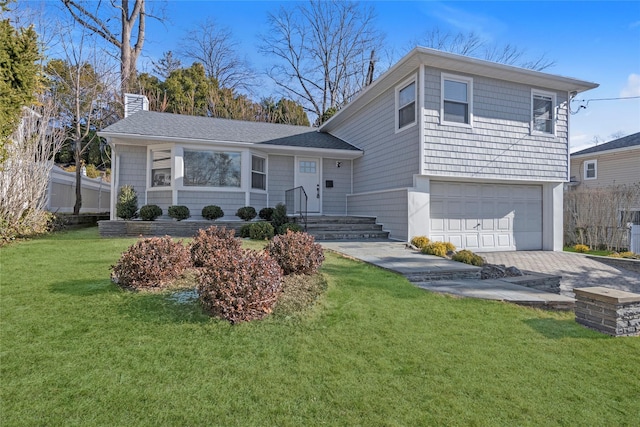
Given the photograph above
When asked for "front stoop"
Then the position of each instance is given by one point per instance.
(344, 228)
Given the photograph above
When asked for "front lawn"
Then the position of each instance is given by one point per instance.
(76, 350)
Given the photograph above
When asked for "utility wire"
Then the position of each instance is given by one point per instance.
(597, 99)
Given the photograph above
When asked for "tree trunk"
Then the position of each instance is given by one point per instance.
(78, 204)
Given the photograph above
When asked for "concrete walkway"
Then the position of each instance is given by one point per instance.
(442, 275)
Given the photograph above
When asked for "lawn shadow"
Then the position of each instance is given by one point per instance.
(565, 328)
(84, 287)
(178, 306)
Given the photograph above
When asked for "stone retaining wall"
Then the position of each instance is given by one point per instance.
(160, 228)
(539, 281)
(610, 311)
(626, 263)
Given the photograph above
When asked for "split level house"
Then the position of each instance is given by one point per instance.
(441, 145)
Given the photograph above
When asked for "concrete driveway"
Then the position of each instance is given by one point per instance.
(577, 270)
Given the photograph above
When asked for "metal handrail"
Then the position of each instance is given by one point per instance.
(296, 199)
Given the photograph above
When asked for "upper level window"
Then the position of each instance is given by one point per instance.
(457, 99)
(406, 104)
(160, 168)
(211, 168)
(591, 169)
(543, 116)
(258, 173)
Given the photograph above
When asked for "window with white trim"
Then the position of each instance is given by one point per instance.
(258, 173)
(591, 169)
(406, 104)
(160, 168)
(457, 99)
(543, 112)
(211, 168)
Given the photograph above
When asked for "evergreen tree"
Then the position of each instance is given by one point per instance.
(20, 76)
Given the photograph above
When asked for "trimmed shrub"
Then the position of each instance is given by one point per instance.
(261, 231)
(581, 248)
(279, 217)
(246, 213)
(437, 248)
(239, 285)
(127, 204)
(296, 253)
(468, 257)
(207, 242)
(266, 214)
(420, 241)
(179, 212)
(245, 230)
(450, 246)
(628, 255)
(151, 264)
(150, 212)
(212, 212)
(296, 228)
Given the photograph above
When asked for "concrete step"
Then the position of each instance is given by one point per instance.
(340, 220)
(349, 234)
(343, 227)
(499, 290)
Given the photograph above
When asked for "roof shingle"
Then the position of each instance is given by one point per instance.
(166, 125)
(624, 142)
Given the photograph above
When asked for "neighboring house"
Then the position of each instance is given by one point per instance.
(616, 162)
(442, 145)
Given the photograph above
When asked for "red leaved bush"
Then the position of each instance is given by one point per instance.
(296, 253)
(151, 263)
(239, 285)
(208, 241)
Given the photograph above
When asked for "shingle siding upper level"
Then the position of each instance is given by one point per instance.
(499, 143)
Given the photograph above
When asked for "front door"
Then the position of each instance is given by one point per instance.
(308, 177)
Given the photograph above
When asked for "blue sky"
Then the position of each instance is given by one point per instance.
(597, 41)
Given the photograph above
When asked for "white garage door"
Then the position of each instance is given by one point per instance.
(487, 217)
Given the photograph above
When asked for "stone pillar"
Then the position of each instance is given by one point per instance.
(609, 311)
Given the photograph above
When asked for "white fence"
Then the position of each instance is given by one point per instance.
(634, 245)
(61, 193)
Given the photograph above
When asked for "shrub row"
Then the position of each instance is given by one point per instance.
(233, 283)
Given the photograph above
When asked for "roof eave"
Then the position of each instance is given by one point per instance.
(267, 148)
(578, 155)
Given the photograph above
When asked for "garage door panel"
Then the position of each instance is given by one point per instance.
(471, 241)
(487, 217)
(454, 224)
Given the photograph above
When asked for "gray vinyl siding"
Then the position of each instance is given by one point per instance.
(133, 169)
(389, 207)
(258, 200)
(390, 159)
(162, 198)
(618, 168)
(500, 144)
(196, 200)
(334, 200)
(279, 178)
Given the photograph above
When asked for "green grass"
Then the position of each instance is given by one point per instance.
(594, 252)
(76, 350)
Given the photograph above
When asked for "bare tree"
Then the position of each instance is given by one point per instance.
(215, 48)
(167, 64)
(599, 217)
(130, 17)
(82, 88)
(323, 51)
(25, 173)
(471, 44)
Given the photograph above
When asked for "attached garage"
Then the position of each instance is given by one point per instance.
(486, 217)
